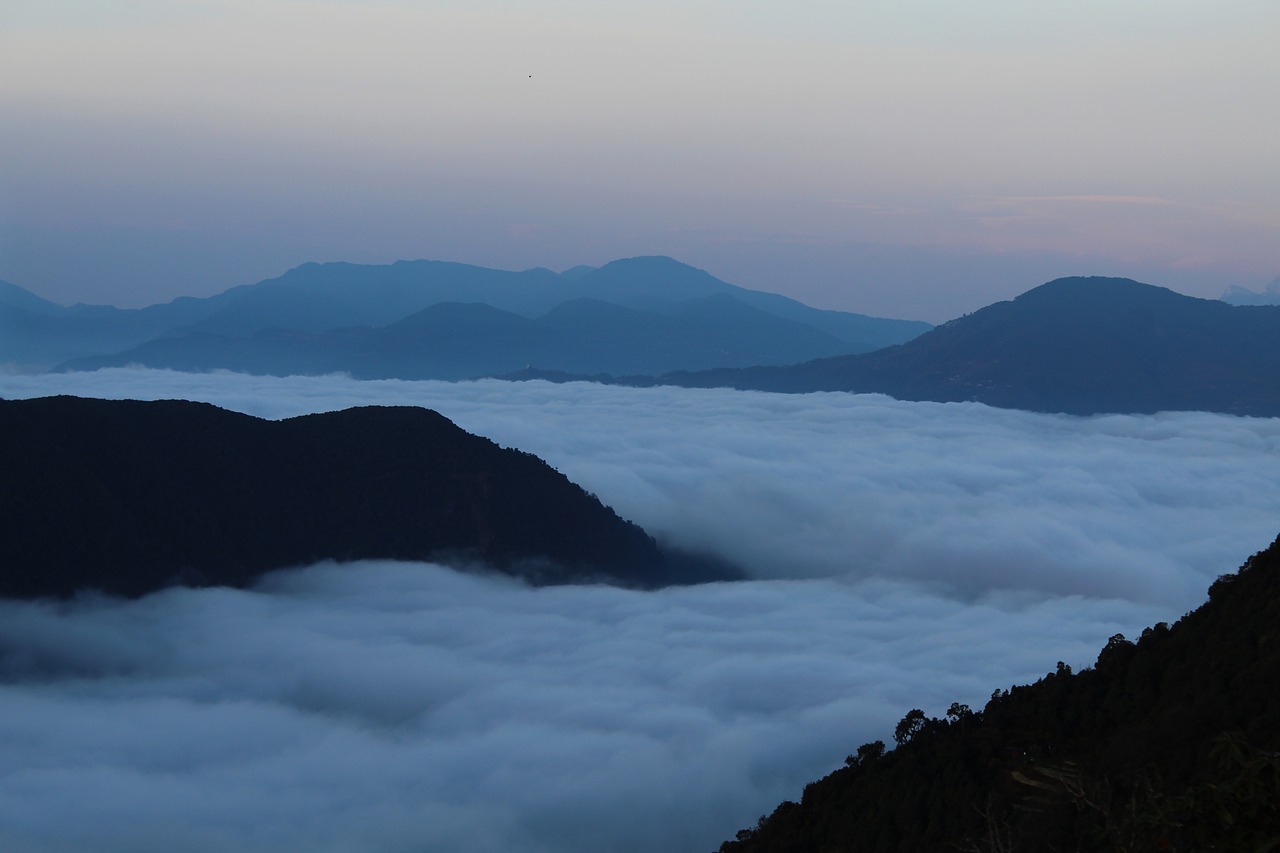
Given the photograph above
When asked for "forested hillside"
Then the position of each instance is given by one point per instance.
(1167, 743)
(128, 497)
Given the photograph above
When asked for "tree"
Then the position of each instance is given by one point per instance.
(866, 754)
(909, 726)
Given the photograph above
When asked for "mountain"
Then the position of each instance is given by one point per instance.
(315, 298)
(12, 296)
(452, 340)
(1170, 743)
(129, 497)
(1236, 295)
(36, 334)
(1075, 345)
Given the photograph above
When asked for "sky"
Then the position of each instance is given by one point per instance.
(917, 159)
(900, 555)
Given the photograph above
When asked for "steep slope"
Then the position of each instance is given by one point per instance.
(1169, 743)
(129, 496)
(1074, 345)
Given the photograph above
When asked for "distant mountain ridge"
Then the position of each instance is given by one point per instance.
(1075, 345)
(322, 298)
(128, 497)
(1236, 295)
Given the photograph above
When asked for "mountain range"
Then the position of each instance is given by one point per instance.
(1083, 345)
(432, 319)
(128, 497)
(1080, 346)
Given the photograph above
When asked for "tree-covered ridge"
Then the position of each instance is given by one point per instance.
(1169, 743)
(128, 496)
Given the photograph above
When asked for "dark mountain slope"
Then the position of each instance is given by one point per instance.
(1168, 744)
(130, 496)
(1075, 345)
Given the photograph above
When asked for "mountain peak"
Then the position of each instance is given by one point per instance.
(655, 277)
(1090, 285)
(1087, 293)
(1082, 345)
(20, 297)
(652, 261)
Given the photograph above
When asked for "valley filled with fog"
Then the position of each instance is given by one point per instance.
(901, 555)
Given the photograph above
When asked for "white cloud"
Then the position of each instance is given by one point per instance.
(908, 555)
(822, 485)
(403, 706)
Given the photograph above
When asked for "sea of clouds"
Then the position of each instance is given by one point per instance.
(902, 555)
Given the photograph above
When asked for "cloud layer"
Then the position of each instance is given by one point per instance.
(835, 485)
(407, 707)
(907, 555)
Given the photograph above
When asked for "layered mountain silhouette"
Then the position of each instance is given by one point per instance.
(454, 340)
(37, 334)
(1170, 743)
(1075, 345)
(128, 497)
(317, 316)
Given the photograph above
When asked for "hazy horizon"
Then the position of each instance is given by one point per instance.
(915, 161)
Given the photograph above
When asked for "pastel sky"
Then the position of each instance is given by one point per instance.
(913, 159)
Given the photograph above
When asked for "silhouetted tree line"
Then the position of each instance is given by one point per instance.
(1169, 743)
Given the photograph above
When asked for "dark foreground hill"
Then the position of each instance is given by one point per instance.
(129, 497)
(1171, 743)
(1076, 345)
